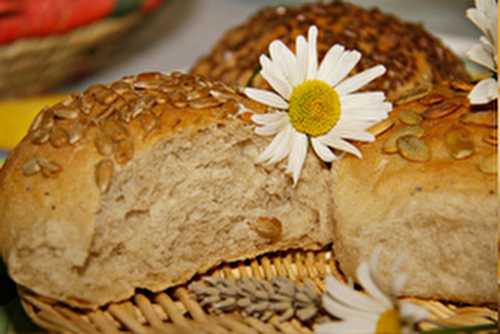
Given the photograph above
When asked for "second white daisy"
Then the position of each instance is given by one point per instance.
(484, 16)
(373, 312)
(316, 103)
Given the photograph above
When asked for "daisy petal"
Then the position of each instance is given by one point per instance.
(356, 100)
(281, 54)
(271, 128)
(272, 74)
(312, 56)
(487, 6)
(297, 155)
(357, 135)
(331, 139)
(302, 49)
(323, 151)
(263, 119)
(487, 44)
(346, 327)
(484, 92)
(329, 62)
(366, 281)
(480, 20)
(266, 97)
(346, 63)
(351, 297)
(411, 311)
(273, 147)
(480, 55)
(283, 148)
(345, 312)
(359, 80)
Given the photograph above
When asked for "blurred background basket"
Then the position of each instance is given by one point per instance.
(64, 43)
(177, 310)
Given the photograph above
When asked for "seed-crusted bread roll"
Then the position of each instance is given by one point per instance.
(425, 191)
(414, 58)
(142, 184)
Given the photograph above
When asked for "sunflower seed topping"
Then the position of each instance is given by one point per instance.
(483, 118)
(115, 130)
(149, 123)
(381, 127)
(58, 137)
(259, 298)
(410, 117)
(431, 99)
(205, 103)
(31, 167)
(461, 86)
(49, 168)
(124, 151)
(491, 138)
(66, 113)
(37, 122)
(109, 109)
(440, 110)
(489, 164)
(104, 174)
(40, 136)
(104, 144)
(390, 145)
(268, 228)
(459, 143)
(76, 133)
(414, 95)
(413, 148)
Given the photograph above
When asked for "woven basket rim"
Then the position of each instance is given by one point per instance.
(174, 308)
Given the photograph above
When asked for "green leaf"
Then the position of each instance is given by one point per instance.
(16, 320)
(465, 329)
(256, 72)
(3, 321)
(7, 286)
(123, 7)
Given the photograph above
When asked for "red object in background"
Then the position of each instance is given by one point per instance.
(31, 18)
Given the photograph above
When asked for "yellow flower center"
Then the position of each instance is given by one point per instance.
(314, 108)
(389, 323)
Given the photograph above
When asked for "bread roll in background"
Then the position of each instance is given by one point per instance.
(429, 199)
(414, 58)
(145, 182)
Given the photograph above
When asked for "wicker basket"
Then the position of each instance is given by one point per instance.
(176, 311)
(34, 65)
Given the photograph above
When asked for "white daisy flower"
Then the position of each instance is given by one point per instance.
(372, 313)
(316, 103)
(484, 16)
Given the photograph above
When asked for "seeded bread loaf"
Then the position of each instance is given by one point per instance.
(414, 58)
(425, 192)
(142, 184)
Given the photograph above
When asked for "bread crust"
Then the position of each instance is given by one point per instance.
(437, 218)
(414, 58)
(63, 233)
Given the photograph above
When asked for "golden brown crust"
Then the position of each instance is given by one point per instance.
(414, 58)
(437, 210)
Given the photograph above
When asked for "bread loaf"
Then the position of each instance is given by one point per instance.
(429, 199)
(145, 182)
(414, 58)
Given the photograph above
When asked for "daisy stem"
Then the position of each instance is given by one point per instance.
(465, 329)
(254, 74)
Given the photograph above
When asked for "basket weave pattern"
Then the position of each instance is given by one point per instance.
(176, 311)
(35, 65)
